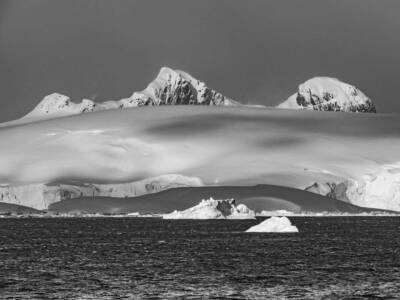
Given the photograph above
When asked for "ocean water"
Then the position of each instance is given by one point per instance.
(141, 258)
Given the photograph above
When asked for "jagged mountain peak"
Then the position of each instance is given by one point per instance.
(329, 94)
(176, 87)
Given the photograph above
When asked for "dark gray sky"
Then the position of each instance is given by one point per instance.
(253, 51)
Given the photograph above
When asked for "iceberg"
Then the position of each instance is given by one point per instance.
(274, 224)
(275, 213)
(213, 209)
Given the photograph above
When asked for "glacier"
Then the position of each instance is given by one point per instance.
(219, 145)
(380, 189)
(42, 195)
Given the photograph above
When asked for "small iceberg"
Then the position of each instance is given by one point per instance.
(275, 213)
(133, 214)
(274, 224)
(214, 209)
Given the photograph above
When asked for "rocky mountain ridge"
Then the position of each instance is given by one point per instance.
(175, 87)
(329, 94)
(171, 87)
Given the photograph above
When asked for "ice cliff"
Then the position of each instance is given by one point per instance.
(40, 196)
(377, 189)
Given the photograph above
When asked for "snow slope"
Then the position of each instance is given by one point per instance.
(274, 224)
(219, 145)
(14, 209)
(170, 87)
(213, 209)
(329, 94)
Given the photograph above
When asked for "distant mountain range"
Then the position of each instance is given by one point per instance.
(175, 87)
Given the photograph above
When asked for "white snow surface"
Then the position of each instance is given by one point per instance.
(213, 209)
(329, 94)
(219, 145)
(274, 224)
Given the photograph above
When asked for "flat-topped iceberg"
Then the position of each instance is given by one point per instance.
(214, 209)
(274, 224)
(275, 213)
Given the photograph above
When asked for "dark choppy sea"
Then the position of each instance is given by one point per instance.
(135, 258)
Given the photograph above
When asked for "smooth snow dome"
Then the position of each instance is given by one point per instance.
(329, 94)
(274, 224)
(213, 209)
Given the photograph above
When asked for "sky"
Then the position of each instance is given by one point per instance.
(255, 52)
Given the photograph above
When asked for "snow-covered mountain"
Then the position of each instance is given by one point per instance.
(176, 87)
(171, 87)
(112, 150)
(329, 94)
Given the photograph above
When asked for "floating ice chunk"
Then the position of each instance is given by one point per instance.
(241, 212)
(213, 209)
(275, 213)
(274, 224)
(133, 214)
